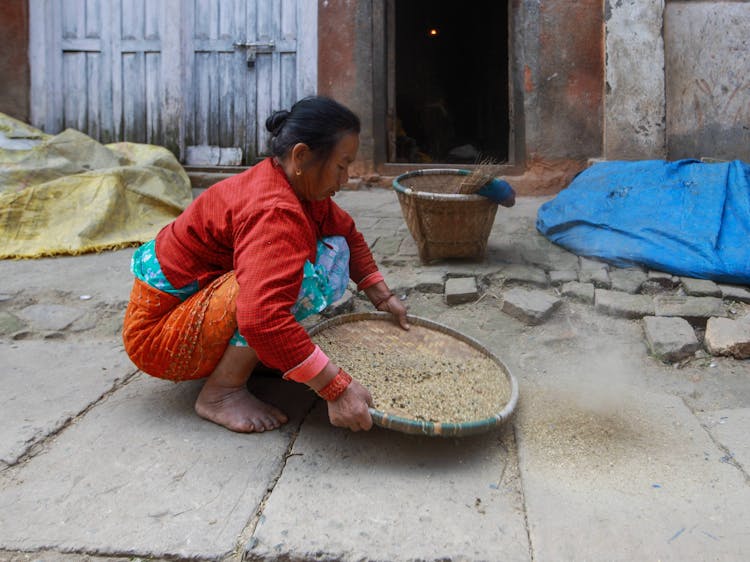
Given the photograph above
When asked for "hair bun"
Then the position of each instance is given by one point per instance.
(276, 121)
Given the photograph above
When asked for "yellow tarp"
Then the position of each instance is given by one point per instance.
(71, 194)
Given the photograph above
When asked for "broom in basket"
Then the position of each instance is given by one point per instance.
(483, 181)
(447, 211)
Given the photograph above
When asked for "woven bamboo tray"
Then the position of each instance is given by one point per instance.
(444, 223)
(368, 327)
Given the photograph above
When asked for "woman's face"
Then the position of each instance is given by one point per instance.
(320, 179)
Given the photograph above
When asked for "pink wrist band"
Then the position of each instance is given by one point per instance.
(309, 368)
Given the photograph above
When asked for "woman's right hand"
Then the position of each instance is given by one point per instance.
(351, 409)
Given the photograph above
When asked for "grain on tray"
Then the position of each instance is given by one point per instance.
(415, 376)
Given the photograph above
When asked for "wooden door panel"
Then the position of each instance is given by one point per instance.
(170, 72)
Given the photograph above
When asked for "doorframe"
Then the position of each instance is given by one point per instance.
(384, 84)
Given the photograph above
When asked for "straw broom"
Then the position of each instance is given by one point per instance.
(487, 169)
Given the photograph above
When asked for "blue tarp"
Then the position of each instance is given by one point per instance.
(684, 217)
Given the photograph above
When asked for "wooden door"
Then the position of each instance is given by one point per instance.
(177, 73)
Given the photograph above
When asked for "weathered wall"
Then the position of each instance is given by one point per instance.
(566, 72)
(708, 79)
(623, 79)
(635, 115)
(558, 77)
(14, 60)
(345, 63)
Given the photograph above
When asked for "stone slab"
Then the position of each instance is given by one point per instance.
(632, 476)
(729, 428)
(50, 317)
(143, 475)
(617, 303)
(430, 281)
(670, 339)
(529, 306)
(688, 307)
(700, 287)
(408, 248)
(591, 271)
(558, 277)
(527, 274)
(383, 495)
(46, 383)
(583, 292)
(537, 250)
(735, 293)
(662, 278)
(386, 245)
(627, 280)
(459, 290)
(105, 276)
(725, 336)
(9, 323)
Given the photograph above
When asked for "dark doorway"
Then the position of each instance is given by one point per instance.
(451, 81)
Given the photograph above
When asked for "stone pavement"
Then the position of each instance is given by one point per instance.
(629, 442)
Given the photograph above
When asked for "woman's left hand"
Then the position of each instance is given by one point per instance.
(385, 301)
(394, 305)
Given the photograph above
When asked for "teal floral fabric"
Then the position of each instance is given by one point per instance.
(145, 267)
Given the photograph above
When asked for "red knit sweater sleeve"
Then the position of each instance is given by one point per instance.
(268, 263)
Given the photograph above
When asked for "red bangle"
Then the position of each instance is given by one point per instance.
(336, 387)
(384, 299)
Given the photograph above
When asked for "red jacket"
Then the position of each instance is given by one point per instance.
(254, 223)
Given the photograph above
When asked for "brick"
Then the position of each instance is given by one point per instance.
(460, 290)
(670, 339)
(628, 280)
(700, 287)
(583, 292)
(688, 307)
(617, 303)
(735, 293)
(728, 337)
(558, 277)
(529, 306)
(525, 274)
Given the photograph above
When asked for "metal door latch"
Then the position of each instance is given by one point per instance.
(253, 48)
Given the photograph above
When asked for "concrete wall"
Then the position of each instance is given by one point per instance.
(707, 50)
(635, 122)
(14, 60)
(564, 75)
(345, 67)
(678, 80)
(557, 62)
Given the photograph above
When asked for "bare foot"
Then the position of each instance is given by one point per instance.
(236, 409)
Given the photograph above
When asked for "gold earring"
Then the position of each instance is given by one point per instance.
(298, 172)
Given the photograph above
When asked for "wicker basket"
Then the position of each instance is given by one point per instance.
(367, 327)
(443, 223)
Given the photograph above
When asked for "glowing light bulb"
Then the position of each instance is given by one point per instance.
(433, 32)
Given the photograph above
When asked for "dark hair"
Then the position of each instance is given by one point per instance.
(317, 121)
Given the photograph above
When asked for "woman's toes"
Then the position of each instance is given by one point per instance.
(278, 416)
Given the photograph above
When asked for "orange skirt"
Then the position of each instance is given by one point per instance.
(180, 340)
